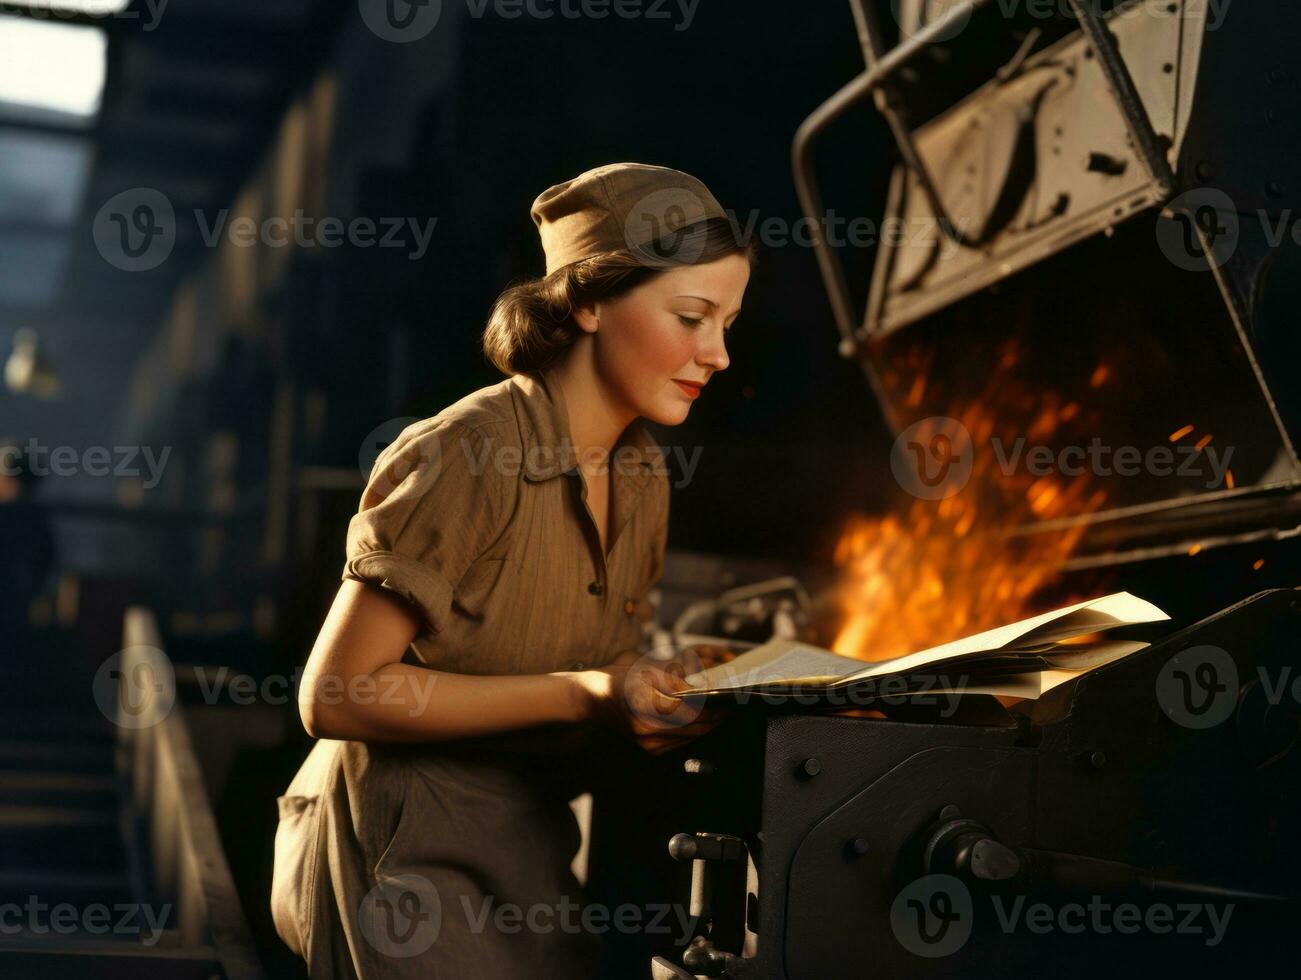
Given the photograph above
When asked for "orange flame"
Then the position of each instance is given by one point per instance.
(937, 570)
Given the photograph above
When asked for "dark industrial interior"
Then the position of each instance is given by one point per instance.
(1097, 203)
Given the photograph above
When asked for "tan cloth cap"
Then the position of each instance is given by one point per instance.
(648, 210)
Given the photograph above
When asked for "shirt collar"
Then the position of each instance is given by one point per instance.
(548, 446)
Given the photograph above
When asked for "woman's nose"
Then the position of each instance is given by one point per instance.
(713, 352)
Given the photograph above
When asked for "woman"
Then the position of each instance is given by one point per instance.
(493, 602)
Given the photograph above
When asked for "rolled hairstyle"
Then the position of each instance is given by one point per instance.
(531, 325)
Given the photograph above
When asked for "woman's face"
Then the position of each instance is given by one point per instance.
(660, 343)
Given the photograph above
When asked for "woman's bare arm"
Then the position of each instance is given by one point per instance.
(355, 687)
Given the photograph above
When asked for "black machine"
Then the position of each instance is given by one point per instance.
(1111, 183)
(1143, 817)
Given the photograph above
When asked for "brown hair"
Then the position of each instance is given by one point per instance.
(531, 324)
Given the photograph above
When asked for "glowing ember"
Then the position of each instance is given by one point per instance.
(937, 570)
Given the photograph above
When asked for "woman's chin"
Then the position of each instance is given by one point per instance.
(669, 414)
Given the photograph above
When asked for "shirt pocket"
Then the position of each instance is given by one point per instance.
(294, 869)
(391, 854)
(477, 586)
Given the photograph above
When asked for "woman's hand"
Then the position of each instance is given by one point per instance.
(632, 696)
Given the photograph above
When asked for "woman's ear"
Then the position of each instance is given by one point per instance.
(588, 317)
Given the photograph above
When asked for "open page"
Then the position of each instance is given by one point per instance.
(778, 661)
(790, 663)
(1117, 609)
(1033, 685)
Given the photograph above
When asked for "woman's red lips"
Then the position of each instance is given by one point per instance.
(690, 388)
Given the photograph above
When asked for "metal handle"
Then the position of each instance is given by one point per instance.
(881, 69)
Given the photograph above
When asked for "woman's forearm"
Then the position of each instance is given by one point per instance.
(404, 703)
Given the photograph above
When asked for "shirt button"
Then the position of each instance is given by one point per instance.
(630, 606)
(596, 588)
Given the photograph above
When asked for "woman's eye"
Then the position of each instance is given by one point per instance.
(690, 321)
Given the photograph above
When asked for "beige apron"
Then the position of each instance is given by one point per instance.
(453, 859)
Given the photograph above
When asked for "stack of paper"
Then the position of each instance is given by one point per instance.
(1022, 659)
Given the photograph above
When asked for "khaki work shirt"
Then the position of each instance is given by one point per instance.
(477, 517)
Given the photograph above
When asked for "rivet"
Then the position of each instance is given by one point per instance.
(809, 768)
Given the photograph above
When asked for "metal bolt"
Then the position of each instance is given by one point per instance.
(856, 847)
(1097, 759)
(809, 768)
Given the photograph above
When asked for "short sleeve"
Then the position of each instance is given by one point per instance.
(432, 506)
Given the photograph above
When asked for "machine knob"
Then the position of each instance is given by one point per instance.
(706, 847)
(965, 847)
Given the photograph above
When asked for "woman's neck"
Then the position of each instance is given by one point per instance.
(596, 419)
